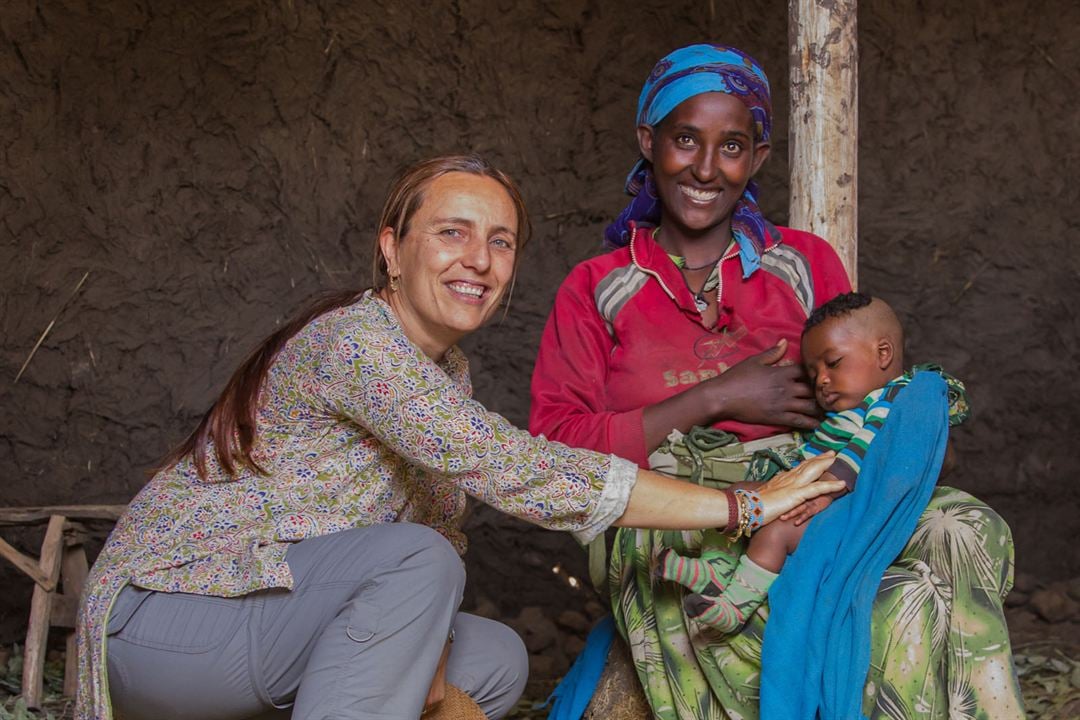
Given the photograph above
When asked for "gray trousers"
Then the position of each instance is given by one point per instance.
(359, 636)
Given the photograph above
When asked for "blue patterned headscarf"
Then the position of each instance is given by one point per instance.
(683, 74)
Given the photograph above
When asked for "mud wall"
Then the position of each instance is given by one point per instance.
(210, 165)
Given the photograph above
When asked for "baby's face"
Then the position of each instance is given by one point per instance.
(843, 362)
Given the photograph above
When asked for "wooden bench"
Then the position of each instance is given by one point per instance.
(59, 575)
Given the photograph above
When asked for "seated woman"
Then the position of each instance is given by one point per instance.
(301, 548)
(694, 319)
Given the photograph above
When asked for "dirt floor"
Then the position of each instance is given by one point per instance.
(178, 177)
(1047, 658)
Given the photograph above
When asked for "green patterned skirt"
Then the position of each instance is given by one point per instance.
(940, 648)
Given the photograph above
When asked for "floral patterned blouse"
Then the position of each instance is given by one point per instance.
(356, 426)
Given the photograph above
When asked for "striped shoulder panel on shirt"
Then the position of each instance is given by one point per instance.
(849, 433)
(835, 432)
(615, 290)
(875, 408)
(793, 268)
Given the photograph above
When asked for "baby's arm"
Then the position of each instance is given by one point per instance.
(770, 546)
(849, 434)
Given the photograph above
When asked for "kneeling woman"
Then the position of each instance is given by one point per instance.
(302, 547)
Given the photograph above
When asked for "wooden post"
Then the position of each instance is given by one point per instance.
(74, 569)
(28, 565)
(824, 133)
(40, 608)
(63, 564)
(26, 515)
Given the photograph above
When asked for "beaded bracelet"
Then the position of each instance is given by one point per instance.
(757, 510)
(751, 512)
(739, 526)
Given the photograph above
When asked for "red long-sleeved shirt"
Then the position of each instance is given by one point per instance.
(624, 334)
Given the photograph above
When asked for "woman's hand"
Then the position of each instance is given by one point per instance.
(764, 390)
(791, 488)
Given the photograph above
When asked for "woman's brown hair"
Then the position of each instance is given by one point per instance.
(230, 424)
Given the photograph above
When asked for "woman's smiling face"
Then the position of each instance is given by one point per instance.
(455, 262)
(703, 154)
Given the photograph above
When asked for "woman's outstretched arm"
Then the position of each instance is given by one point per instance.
(663, 503)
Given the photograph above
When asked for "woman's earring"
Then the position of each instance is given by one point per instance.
(393, 282)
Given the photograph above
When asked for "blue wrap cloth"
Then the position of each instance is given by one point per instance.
(816, 650)
(572, 695)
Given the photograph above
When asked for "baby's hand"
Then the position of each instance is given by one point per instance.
(802, 514)
(807, 510)
(810, 508)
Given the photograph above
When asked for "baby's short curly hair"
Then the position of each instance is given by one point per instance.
(840, 305)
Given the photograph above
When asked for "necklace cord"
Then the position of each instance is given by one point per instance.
(681, 263)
